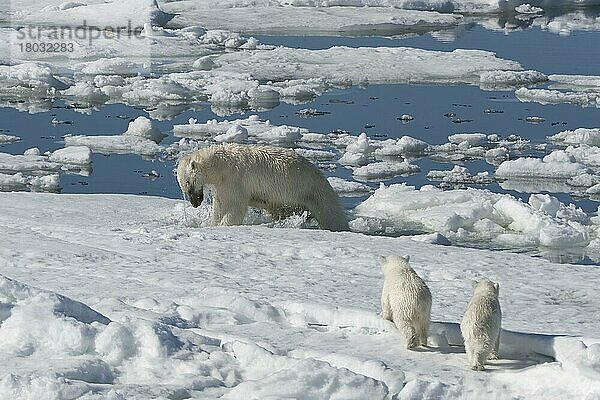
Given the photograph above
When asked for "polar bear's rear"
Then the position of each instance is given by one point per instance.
(481, 324)
(405, 300)
(272, 178)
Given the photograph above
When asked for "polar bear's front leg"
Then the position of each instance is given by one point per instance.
(229, 209)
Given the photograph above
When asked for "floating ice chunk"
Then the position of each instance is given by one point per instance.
(557, 165)
(361, 145)
(13, 182)
(406, 118)
(79, 155)
(358, 151)
(133, 13)
(472, 139)
(20, 182)
(546, 203)
(263, 98)
(27, 163)
(476, 216)
(406, 145)
(428, 209)
(236, 133)
(141, 137)
(385, 170)
(4, 139)
(205, 63)
(46, 183)
(309, 18)
(509, 79)
(109, 66)
(528, 9)
(322, 155)
(143, 127)
(345, 65)
(576, 82)
(459, 174)
(69, 4)
(119, 144)
(546, 96)
(354, 159)
(584, 180)
(543, 228)
(578, 136)
(29, 79)
(497, 155)
(281, 134)
(589, 155)
(348, 188)
(593, 190)
(34, 151)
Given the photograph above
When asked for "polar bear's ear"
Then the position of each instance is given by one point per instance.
(406, 257)
(496, 287)
(382, 259)
(193, 165)
(474, 283)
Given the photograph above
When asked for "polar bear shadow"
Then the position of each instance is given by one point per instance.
(518, 350)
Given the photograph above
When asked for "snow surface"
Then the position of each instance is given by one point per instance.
(122, 298)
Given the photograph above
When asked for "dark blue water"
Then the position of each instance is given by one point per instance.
(373, 110)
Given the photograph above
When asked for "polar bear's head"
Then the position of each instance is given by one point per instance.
(190, 179)
(486, 287)
(394, 262)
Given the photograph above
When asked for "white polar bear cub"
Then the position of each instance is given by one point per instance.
(405, 300)
(272, 178)
(481, 324)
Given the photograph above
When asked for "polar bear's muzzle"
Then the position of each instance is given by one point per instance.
(195, 198)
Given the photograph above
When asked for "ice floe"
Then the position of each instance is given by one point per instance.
(459, 175)
(141, 138)
(6, 139)
(476, 215)
(557, 165)
(349, 19)
(589, 136)
(349, 188)
(385, 170)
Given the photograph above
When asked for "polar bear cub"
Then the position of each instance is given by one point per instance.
(405, 300)
(481, 324)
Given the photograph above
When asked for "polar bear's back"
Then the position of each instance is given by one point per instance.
(483, 317)
(277, 179)
(409, 296)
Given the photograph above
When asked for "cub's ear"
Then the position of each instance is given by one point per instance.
(474, 284)
(406, 257)
(193, 165)
(496, 287)
(382, 259)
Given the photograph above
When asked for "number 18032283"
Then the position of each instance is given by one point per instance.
(46, 47)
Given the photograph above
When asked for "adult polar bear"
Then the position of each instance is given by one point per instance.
(272, 178)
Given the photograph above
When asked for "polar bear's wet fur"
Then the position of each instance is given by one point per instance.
(405, 300)
(272, 178)
(481, 324)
